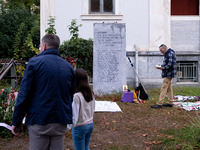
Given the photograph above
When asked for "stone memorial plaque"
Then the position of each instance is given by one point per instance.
(109, 57)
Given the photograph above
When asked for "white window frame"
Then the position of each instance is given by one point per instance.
(100, 16)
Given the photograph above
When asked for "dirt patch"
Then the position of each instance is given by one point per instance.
(138, 127)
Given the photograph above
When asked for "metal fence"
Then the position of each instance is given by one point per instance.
(187, 71)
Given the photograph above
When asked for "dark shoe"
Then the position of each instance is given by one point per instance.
(156, 106)
(167, 105)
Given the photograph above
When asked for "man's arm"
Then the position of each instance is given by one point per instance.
(22, 99)
(169, 63)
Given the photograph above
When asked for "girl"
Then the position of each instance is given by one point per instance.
(83, 107)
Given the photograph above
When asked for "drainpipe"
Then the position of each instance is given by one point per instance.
(136, 64)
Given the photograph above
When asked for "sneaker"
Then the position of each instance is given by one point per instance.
(167, 105)
(156, 106)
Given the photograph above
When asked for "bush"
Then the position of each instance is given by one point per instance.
(78, 48)
(81, 49)
(16, 27)
(7, 103)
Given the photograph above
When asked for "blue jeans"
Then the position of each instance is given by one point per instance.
(81, 136)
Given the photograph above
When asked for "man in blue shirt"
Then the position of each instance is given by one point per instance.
(168, 72)
(46, 95)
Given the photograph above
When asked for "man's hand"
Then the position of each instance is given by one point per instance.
(159, 67)
(14, 130)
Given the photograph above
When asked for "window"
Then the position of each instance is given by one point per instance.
(101, 6)
(187, 71)
(101, 10)
(184, 7)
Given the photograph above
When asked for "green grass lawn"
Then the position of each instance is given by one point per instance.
(183, 137)
(188, 137)
(138, 128)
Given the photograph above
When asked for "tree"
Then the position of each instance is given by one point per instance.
(33, 6)
(16, 25)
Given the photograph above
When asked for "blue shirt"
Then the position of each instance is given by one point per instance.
(169, 68)
(46, 91)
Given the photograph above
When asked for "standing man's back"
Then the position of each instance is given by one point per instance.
(46, 94)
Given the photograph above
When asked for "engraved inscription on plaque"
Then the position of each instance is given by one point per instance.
(108, 53)
(109, 56)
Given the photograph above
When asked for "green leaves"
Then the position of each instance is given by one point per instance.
(81, 49)
(16, 25)
(51, 24)
(78, 48)
(74, 29)
(33, 6)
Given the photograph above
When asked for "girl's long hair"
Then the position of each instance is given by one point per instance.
(82, 84)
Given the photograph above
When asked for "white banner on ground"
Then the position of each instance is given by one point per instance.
(106, 106)
(5, 125)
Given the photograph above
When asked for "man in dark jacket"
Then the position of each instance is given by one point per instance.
(168, 72)
(46, 95)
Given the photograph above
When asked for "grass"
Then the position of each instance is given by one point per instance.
(184, 138)
(139, 127)
(187, 137)
(110, 97)
(186, 91)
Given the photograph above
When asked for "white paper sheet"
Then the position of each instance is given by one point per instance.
(5, 125)
(106, 106)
